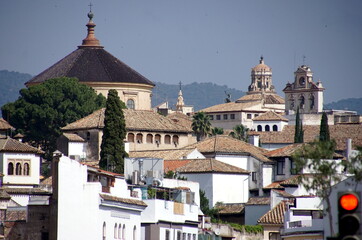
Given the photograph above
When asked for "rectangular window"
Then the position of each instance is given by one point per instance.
(248, 116)
(211, 117)
(232, 116)
(178, 235)
(218, 117)
(193, 236)
(225, 116)
(253, 176)
(281, 167)
(183, 236)
(167, 235)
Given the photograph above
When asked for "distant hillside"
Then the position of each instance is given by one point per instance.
(10, 84)
(200, 95)
(353, 104)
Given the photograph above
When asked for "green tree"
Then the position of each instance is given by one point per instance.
(114, 132)
(217, 131)
(201, 125)
(240, 132)
(318, 158)
(324, 129)
(42, 110)
(354, 165)
(298, 133)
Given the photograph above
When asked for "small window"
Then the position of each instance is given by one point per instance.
(193, 236)
(275, 128)
(26, 169)
(120, 231)
(11, 168)
(167, 139)
(189, 236)
(225, 116)
(253, 176)
(115, 231)
(139, 137)
(179, 235)
(256, 115)
(259, 128)
(167, 234)
(175, 140)
(281, 167)
(232, 116)
(104, 232)
(218, 117)
(158, 139)
(149, 138)
(248, 116)
(211, 117)
(267, 128)
(130, 137)
(18, 169)
(183, 236)
(130, 104)
(134, 233)
(88, 136)
(124, 231)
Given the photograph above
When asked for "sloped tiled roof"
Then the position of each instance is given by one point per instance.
(229, 145)
(274, 185)
(180, 119)
(136, 120)
(26, 191)
(258, 201)
(13, 215)
(4, 125)
(292, 181)
(283, 193)
(270, 116)
(258, 97)
(165, 154)
(208, 166)
(340, 133)
(73, 137)
(172, 165)
(286, 151)
(275, 215)
(229, 208)
(123, 200)
(12, 145)
(91, 65)
(229, 107)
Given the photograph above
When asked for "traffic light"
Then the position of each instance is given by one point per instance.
(349, 216)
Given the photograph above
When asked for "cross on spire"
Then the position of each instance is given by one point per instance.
(180, 84)
(90, 7)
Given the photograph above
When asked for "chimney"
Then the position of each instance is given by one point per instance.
(348, 148)
(254, 139)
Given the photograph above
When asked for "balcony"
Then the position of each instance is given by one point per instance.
(311, 225)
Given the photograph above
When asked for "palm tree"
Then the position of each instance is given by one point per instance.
(201, 125)
(240, 132)
(217, 131)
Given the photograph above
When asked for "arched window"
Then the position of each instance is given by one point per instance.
(167, 139)
(124, 231)
(175, 139)
(259, 128)
(18, 169)
(130, 137)
(311, 100)
(11, 168)
(104, 231)
(149, 138)
(275, 128)
(115, 231)
(267, 128)
(26, 169)
(130, 104)
(120, 231)
(301, 101)
(134, 233)
(139, 137)
(158, 139)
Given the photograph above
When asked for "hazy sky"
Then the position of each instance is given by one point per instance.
(195, 40)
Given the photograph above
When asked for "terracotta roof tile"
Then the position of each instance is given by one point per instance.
(4, 125)
(165, 154)
(13, 215)
(123, 200)
(274, 185)
(12, 145)
(135, 120)
(229, 208)
(275, 215)
(73, 137)
(172, 165)
(27, 191)
(208, 166)
(286, 151)
(269, 98)
(340, 133)
(258, 201)
(181, 119)
(229, 145)
(283, 193)
(229, 107)
(270, 116)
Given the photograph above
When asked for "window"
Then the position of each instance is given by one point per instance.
(11, 168)
(211, 117)
(193, 236)
(189, 236)
(267, 128)
(256, 115)
(175, 140)
(253, 176)
(104, 231)
(134, 233)
(311, 100)
(225, 116)
(301, 101)
(119, 231)
(139, 137)
(88, 136)
(18, 169)
(158, 139)
(167, 139)
(183, 236)
(167, 234)
(275, 128)
(281, 167)
(149, 138)
(178, 235)
(130, 104)
(248, 116)
(26, 169)
(218, 117)
(259, 128)
(124, 231)
(232, 116)
(130, 137)
(115, 231)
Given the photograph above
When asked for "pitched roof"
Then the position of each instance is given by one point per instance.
(12, 145)
(229, 208)
(25, 191)
(267, 98)
(91, 65)
(172, 165)
(286, 151)
(258, 201)
(13, 215)
(292, 181)
(165, 154)
(230, 107)
(137, 120)
(283, 193)
(340, 133)
(180, 119)
(229, 145)
(4, 125)
(210, 166)
(73, 137)
(123, 200)
(274, 185)
(270, 116)
(275, 215)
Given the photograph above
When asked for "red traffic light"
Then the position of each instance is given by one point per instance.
(349, 201)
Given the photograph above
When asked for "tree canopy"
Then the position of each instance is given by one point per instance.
(201, 125)
(114, 132)
(298, 133)
(324, 129)
(42, 110)
(240, 132)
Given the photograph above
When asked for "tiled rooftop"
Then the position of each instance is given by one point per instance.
(123, 200)
(229, 107)
(27, 191)
(4, 125)
(258, 201)
(12, 145)
(229, 208)
(165, 154)
(229, 145)
(172, 165)
(73, 137)
(270, 116)
(208, 166)
(275, 215)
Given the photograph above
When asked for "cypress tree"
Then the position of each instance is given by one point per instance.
(114, 132)
(324, 129)
(299, 133)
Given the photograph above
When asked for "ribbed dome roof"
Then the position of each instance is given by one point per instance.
(261, 67)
